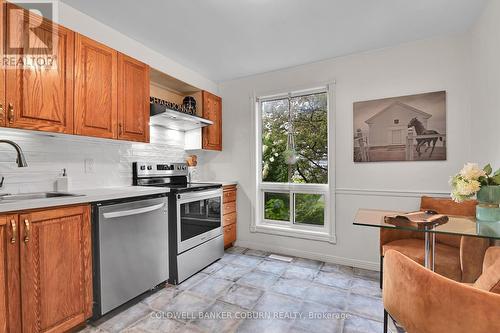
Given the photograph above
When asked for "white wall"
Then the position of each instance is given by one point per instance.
(485, 55)
(424, 66)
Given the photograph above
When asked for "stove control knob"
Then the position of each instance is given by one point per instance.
(150, 167)
(143, 167)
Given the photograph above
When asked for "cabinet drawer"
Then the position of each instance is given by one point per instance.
(229, 234)
(229, 219)
(229, 195)
(229, 207)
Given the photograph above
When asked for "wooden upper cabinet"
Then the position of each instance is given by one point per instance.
(2, 69)
(10, 286)
(56, 272)
(212, 109)
(39, 93)
(133, 99)
(96, 110)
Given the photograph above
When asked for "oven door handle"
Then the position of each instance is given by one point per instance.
(130, 212)
(201, 195)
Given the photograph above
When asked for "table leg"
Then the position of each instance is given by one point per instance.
(430, 242)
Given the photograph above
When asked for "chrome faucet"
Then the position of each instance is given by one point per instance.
(21, 160)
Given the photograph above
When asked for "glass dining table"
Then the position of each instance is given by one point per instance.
(456, 225)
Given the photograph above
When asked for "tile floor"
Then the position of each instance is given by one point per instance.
(248, 292)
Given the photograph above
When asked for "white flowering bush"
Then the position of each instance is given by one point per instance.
(470, 179)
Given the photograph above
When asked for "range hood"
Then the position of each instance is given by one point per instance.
(176, 120)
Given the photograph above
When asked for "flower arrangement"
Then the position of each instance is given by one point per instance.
(470, 179)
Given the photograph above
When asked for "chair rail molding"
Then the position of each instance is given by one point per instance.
(390, 193)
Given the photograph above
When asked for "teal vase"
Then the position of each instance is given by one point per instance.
(488, 206)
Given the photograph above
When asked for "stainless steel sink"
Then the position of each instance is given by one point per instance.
(37, 195)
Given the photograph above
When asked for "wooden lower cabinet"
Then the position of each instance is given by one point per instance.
(229, 215)
(3, 276)
(10, 279)
(49, 269)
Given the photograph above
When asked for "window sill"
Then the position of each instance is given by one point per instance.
(295, 233)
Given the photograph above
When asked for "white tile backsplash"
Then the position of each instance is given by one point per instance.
(47, 154)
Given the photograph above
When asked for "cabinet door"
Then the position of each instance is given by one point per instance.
(95, 89)
(212, 109)
(56, 271)
(2, 69)
(10, 281)
(40, 92)
(229, 235)
(133, 99)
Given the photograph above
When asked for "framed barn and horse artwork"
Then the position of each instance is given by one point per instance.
(406, 128)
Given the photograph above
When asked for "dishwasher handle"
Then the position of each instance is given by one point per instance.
(130, 212)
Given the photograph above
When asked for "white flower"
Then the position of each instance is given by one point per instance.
(457, 197)
(467, 188)
(472, 171)
(271, 159)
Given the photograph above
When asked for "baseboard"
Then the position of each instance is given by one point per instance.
(374, 266)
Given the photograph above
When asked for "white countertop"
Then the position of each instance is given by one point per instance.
(87, 196)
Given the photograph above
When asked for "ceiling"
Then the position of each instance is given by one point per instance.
(227, 39)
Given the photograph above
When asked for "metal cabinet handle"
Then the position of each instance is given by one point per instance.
(27, 234)
(120, 128)
(137, 211)
(14, 231)
(1, 111)
(11, 113)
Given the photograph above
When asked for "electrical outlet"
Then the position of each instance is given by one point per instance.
(89, 165)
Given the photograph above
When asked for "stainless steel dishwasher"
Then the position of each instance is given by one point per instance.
(130, 242)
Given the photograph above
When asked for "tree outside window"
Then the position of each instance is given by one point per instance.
(295, 150)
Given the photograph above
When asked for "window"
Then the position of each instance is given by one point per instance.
(293, 162)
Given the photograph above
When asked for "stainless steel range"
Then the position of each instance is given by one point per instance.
(194, 220)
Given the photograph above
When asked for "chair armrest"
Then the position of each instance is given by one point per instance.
(390, 235)
(472, 251)
(492, 254)
(425, 302)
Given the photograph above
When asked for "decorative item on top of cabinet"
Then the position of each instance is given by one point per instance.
(133, 99)
(96, 109)
(229, 215)
(212, 110)
(39, 90)
(48, 269)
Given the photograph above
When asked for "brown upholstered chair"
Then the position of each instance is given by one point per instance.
(458, 258)
(425, 302)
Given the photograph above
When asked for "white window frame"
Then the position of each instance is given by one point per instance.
(288, 228)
